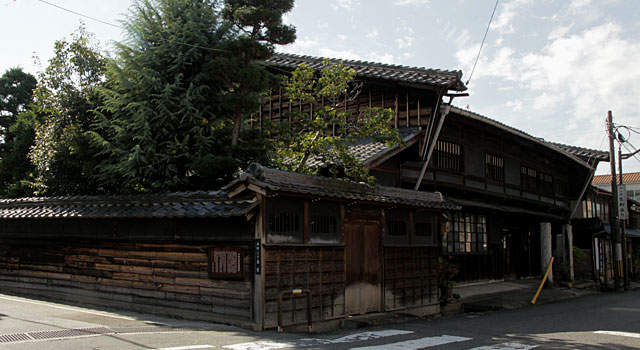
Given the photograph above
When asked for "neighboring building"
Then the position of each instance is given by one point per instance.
(630, 180)
(508, 182)
(228, 256)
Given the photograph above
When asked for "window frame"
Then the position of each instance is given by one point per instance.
(494, 167)
(448, 155)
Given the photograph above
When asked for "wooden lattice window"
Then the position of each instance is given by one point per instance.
(397, 228)
(545, 183)
(494, 167)
(284, 220)
(448, 155)
(465, 233)
(324, 222)
(528, 178)
(423, 229)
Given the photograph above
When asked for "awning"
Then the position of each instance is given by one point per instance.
(465, 203)
(629, 232)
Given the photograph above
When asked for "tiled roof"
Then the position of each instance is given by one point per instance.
(584, 156)
(606, 179)
(173, 205)
(283, 181)
(369, 151)
(415, 75)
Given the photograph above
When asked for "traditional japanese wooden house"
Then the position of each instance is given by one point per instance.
(511, 185)
(229, 256)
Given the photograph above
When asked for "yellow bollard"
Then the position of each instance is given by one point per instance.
(546, 275)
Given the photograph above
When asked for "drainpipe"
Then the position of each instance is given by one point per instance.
(443, 114)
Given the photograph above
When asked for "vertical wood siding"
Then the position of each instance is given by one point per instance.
(410, 277)
(319, 269)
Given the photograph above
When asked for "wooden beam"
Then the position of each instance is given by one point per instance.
(407, 109)
(397, 111)
(257, 189)
(237, 190)
(419, 122)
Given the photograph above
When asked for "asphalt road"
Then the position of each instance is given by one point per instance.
(602, 321)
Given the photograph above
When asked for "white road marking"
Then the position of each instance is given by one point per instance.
(259, 345)
(416, 343)
(67, 308)
(507, 346)
(189, 347)
(621, 334)
(305, 342)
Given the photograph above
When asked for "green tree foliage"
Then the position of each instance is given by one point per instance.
(16, 132)
(257, 26)
(16, 92)
(176, 87)
(64, 99)
(306, 138)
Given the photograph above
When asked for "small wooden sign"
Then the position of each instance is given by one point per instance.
(226, 262)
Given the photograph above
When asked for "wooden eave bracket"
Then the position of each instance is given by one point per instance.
(241, 187)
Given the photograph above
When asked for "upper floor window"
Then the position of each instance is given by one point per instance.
(448, 155)
(546, 183)
(494, 167)
(528, 178)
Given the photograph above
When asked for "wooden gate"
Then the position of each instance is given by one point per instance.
(362, 246)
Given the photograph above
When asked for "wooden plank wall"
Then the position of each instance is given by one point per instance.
(171, 275)
(411, 107)
(410, 277)
(319, 269)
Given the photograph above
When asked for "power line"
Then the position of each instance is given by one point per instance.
(483, 40)
(80, 14)
(119, 27)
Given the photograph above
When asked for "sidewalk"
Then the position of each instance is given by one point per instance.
(516, 294)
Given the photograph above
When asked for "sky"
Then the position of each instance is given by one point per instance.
(551, 68)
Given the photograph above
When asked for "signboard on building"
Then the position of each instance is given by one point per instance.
(622, 202)
(226, 262)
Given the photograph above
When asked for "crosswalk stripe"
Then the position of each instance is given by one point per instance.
(506, 346)
(621, 334)
(189, 347)
(305, 342)
(416, 343)
(259, 345)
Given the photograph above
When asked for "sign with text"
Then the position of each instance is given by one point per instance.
(226, 262)
(622, 202)
(258, 256)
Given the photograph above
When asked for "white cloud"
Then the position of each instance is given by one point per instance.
(515, 105)
(342, 54)
(570, 83)
(381, 58)
(405, 37)
(405, 41)
(559, 32)
(342, 37)
(411, 2)
(344, 4)
(503, 23)
(372, 34)
(575, 4)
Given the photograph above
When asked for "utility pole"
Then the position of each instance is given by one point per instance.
(617, 265)
(625, 263)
